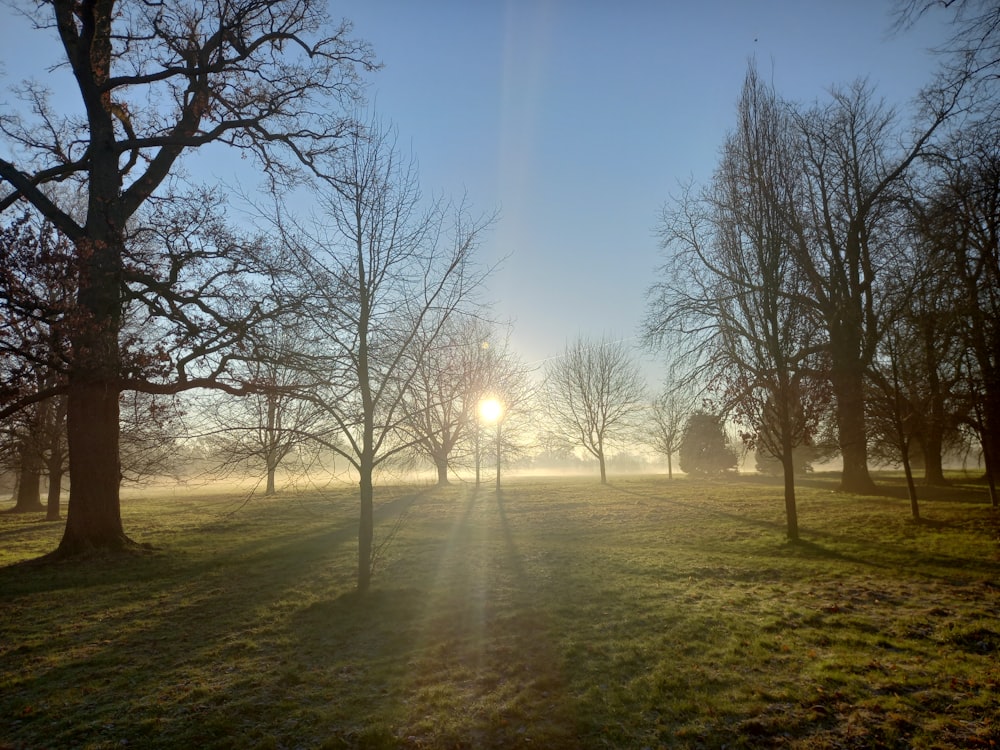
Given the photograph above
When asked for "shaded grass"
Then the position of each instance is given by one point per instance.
(558, 614)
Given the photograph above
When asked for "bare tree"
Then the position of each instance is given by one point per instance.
(258, 432)
(732, 279)
(594, 395)
(37, 286)
(155, 81)
(961, 222)
(970, 56)
(446, 389)
(470, 362)
(668, 413)
(510, 394)
(845, 238)
(386, 276)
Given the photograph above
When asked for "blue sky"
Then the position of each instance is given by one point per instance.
(578, 118)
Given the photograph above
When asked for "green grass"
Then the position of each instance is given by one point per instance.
(557, 614)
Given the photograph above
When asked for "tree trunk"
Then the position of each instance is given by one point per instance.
(911, 487)
(788, 462)
(28, 497)
(366, 528)
(791, 511)
(604, 471)
(848, 389)
(670, 467)
(479, 455)
(499, 451)
(932, 447)
(55, 490)
(988, 462)
(991, 432)
(269, 489)
(93, 515)
(442, 470)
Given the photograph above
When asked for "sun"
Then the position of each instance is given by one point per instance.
(490, 410)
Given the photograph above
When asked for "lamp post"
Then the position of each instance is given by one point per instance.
(490, 412)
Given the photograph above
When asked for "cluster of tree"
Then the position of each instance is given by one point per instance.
(130, 286)
(843, 268)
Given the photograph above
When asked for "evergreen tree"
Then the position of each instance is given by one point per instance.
(705, 449)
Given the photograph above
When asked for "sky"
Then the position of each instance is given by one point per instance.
(577, 119)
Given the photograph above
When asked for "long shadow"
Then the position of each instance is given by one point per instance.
(717, 512)
(204, 621)
(513, 556)
(881, 555)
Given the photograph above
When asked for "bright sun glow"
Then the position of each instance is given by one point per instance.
(490, 410)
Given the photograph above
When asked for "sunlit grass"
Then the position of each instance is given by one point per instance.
(557, 614)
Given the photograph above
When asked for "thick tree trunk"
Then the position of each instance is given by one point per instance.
(932, 447)
(604, 471)
(28, 497)
(93, 515)
(991, 429)
(442, 470)
(670, 467)
(848, 389)
(989, 461)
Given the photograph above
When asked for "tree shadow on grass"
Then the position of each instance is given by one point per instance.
(842, 547)
(176, 651)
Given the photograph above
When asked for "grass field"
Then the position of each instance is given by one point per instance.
(556, 614)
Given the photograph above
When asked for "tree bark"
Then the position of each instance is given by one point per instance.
(787, 456)
(911, 487)
(28, 497)
(366, 528)
(848, 388)
(932, 448)
(791, 511)
(499, 449)
(52, 510)
(93, 515)
(441, 463)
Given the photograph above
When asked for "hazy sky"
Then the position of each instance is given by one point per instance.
(578, 118)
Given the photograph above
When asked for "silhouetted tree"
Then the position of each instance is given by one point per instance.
(668, 414)
(731, 278)
(593, 395)
(846, 237)
(155, 81)
(385, 275)
(467, 363)
(961, 222)
(258, 432)
(37, 286)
